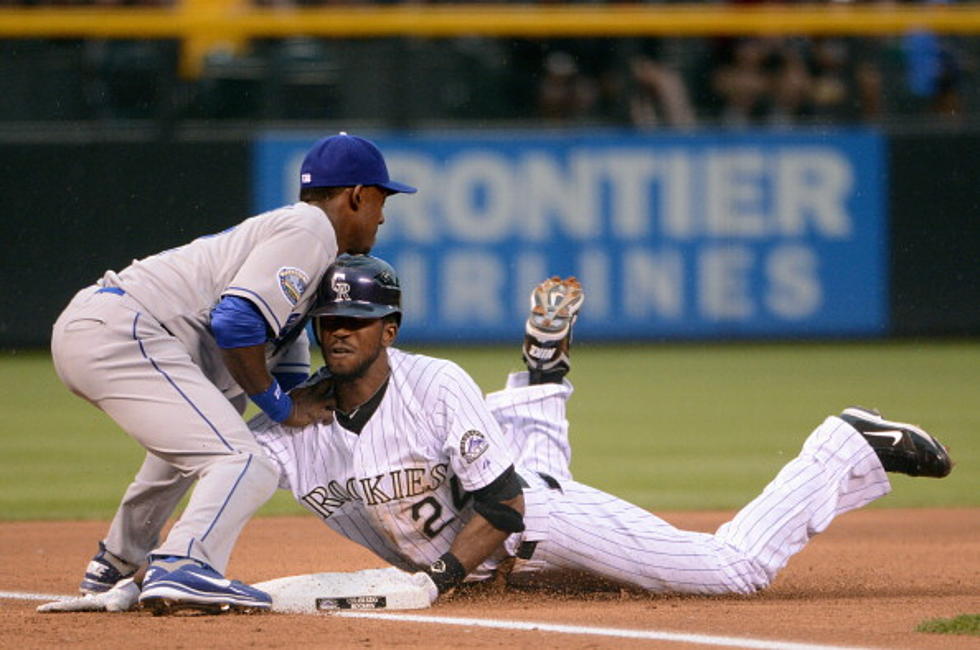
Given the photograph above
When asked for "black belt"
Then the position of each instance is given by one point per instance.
(526, 550)
(549, 480)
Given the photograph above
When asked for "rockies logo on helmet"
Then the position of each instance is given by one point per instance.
(359, 286)
(340, 288)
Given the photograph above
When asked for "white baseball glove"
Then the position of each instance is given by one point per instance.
(121, 598)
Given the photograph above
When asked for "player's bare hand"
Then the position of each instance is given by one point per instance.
(314, 403)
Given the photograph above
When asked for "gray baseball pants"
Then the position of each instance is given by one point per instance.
(109, 350)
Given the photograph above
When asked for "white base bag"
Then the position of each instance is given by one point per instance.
(388, 588)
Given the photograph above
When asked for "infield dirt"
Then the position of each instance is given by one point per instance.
(868, 581)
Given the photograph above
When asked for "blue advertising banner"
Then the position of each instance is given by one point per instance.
(706, 235)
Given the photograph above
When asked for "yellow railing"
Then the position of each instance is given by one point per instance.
(204, 24)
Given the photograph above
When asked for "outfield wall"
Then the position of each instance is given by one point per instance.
(719, 234)
(842, 234)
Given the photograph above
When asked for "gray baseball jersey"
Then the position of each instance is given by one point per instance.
(270, 259)
(573, 531)
(138, 346)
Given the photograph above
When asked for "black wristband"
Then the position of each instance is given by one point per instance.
(446, 572)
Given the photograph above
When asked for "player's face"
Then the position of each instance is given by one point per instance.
(352, 345)
(368, 214)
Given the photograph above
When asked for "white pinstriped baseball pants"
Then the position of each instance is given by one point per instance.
(595, 533)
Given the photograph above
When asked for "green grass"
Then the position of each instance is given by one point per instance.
(964, 624)
(667, 427)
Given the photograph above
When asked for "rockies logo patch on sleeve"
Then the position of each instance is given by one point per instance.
(472, 445)
(293, 282)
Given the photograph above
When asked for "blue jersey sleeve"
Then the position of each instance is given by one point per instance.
(237, 323)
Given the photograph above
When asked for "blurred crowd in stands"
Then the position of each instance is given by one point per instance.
(641, 82)
(751, 81)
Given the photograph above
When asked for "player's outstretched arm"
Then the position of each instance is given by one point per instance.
(247, 366)
(479, 538)
(499, 512)
(299, 408)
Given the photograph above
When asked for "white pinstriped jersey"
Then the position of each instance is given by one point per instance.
(399, 487)
(275, 260)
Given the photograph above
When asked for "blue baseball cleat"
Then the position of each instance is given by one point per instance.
(103, 572)
(179, 583)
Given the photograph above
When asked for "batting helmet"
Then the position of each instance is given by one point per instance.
(359, 286)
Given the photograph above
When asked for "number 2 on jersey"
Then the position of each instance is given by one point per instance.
(460, 498)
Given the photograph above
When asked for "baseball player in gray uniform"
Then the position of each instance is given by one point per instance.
(170, 347)
(420, 468)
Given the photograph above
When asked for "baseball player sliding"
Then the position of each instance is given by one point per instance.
(449, 486)
(418, 467)
(171, 345)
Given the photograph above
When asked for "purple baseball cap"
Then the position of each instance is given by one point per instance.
(344, 161)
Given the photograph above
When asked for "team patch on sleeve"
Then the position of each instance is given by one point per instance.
(472, 445)
(293, 283)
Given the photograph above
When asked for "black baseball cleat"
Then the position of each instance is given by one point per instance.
(901, 447)
(548, 330)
